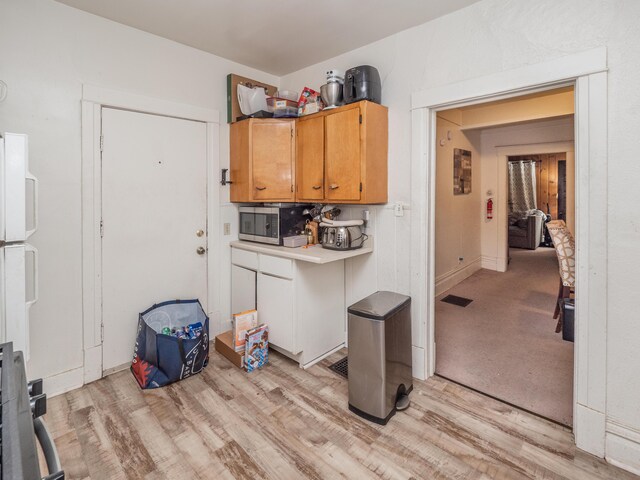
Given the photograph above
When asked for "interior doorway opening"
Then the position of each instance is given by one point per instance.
(496, 268)
(537, 193)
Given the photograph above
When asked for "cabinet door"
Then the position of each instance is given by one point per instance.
(342, 155)
(310, 159)
(239, 149)
(243, 289)
(272, 150)
(275, 308)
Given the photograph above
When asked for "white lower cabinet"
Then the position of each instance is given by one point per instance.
(276, 309)
(302, 302)
(243, 289)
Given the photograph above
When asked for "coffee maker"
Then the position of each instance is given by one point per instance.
(362, 83)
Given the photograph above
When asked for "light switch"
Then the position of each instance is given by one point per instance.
(398, 209)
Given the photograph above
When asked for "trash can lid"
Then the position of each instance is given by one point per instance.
(380, 305)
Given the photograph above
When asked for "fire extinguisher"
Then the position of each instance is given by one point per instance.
(489, 209)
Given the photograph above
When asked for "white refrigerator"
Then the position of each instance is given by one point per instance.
(18, 259)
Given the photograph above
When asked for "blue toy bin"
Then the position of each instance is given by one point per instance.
(160, 359)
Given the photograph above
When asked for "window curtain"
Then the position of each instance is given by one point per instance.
(522, 186)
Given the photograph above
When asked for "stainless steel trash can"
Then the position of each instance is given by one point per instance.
(380, 376)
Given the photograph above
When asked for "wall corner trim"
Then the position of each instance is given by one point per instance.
(130, 101)
(544, 75)
(587, 71)
(93, 100)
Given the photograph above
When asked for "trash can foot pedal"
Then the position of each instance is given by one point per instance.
(403, 402)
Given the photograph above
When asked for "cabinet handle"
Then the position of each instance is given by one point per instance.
(261, 188)
(333, 186)
(317, 187)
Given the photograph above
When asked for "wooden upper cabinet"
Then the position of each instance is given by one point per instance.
(334, 156)
(354, 151)
(343, 155)
(262, 160)
(310, 159)
(273, 157)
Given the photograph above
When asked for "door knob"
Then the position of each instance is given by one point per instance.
(201, 250)
(199, 233)
(261, 188)
(317, 187)
(333, 186)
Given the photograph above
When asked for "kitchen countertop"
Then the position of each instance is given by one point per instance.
(313, 254)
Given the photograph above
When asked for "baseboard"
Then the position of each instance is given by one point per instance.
(116, 369)
(322, 357)
(450, 279)
(92, 364)
(418, 362)
(497, 264)
(589, 430)
(489, 262)
(623, 446)
(63, 382)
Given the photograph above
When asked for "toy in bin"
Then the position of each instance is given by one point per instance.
(191, 331)
(256, 348)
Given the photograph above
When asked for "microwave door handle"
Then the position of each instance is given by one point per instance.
(36, 184)
(34, 250)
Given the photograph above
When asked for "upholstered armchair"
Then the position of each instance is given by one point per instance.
(526, 229)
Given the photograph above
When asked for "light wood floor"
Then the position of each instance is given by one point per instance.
(286, 423)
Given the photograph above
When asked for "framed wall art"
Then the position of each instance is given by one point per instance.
(461, 171)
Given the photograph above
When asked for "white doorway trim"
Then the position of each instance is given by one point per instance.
(503, 153)
(588, 71)
(93, 99)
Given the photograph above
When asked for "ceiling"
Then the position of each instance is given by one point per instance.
(275, 36)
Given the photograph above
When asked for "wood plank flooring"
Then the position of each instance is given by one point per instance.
(286, 423)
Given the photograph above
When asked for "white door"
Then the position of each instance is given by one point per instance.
(154, 194)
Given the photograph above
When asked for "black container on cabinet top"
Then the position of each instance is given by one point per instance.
(362, 83)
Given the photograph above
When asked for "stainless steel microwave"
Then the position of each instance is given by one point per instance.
(270, 224)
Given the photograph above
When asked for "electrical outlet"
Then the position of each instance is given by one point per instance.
(227, 229)
(398, 209)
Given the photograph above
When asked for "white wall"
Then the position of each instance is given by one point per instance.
(549, 131)
(458, 217)
(49, 51)
(493, 36)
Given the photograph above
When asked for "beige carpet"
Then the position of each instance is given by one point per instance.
(504, 343)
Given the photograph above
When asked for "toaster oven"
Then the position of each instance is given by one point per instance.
(271, 223)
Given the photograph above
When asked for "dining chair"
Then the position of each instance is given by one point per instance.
(565, 247)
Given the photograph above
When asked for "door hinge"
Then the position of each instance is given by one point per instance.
(101, 143)
(360, 186)
(101, 332)
(360, 119)
(101, 229)
(292, 133)
(291, 188)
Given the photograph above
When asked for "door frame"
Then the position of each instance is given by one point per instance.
(503, 153)
(93, 100)
(588, 72)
